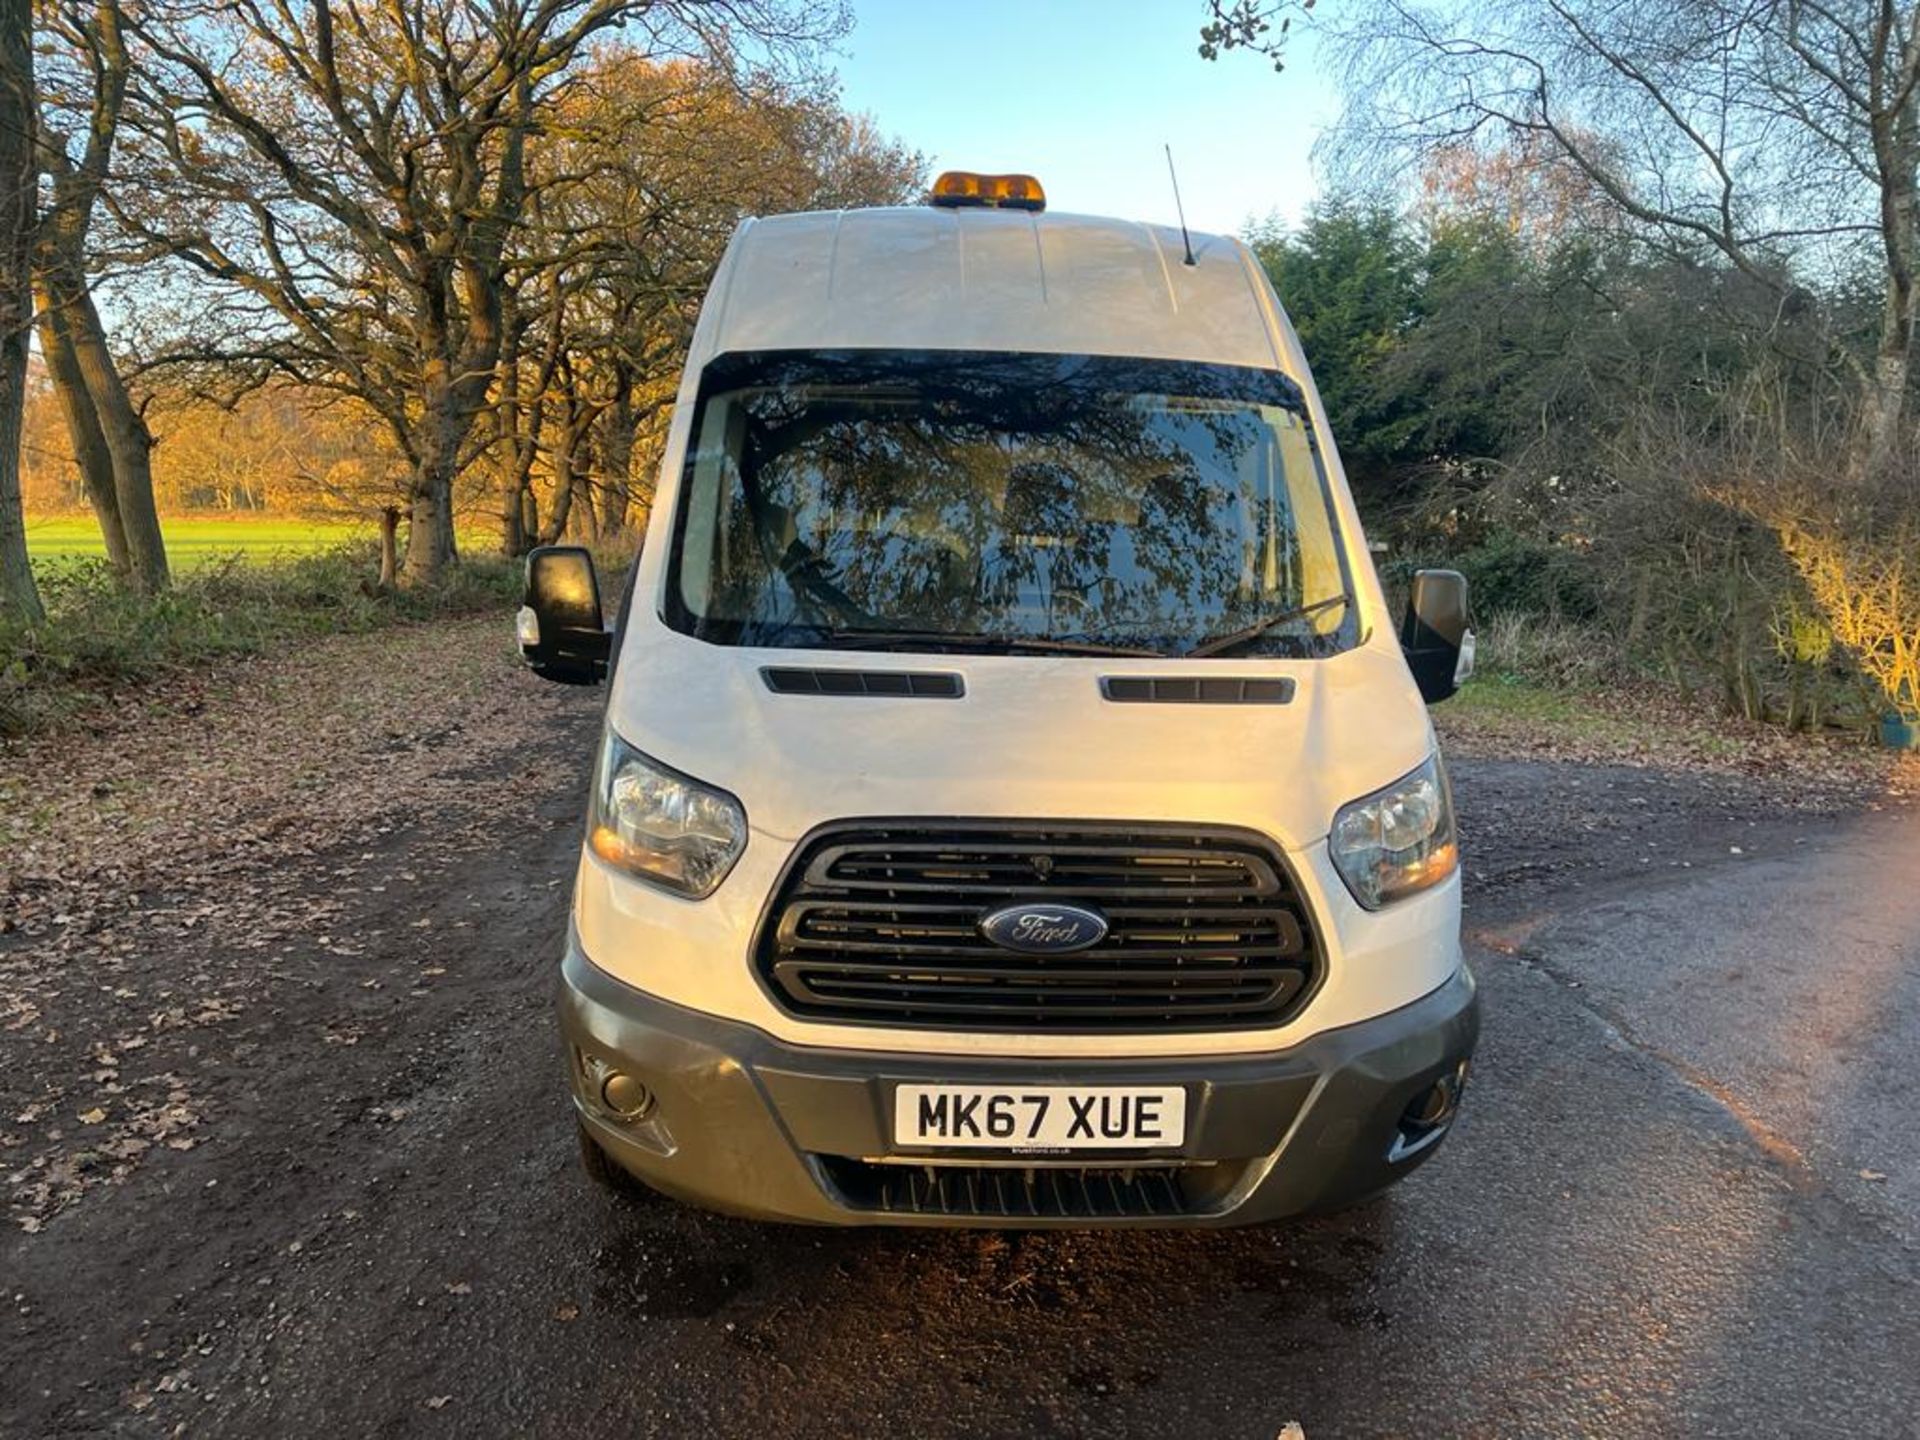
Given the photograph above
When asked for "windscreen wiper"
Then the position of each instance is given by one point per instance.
(968, 640)
(1233, 639)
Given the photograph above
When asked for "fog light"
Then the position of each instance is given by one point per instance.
(1428, 1115)
(625, 1096)
(1435, 1106)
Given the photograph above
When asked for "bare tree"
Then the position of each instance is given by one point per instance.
(638, 188)
(355, 177)
(1780, 134)
(18, 179)
(111, 443)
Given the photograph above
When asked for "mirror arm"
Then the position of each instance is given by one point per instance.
(573, 657)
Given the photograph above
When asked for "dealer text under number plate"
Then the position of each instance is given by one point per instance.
(1040, 1117)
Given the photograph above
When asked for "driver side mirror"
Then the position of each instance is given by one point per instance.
(561, 629)
(1435, 635)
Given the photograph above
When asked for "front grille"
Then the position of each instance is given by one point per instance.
(880, 924)
(1015, 1192)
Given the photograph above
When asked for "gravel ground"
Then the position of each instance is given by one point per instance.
(284, 1139)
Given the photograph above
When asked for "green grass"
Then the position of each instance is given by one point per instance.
(1512, 697)
(1502, 703)
(194, 541)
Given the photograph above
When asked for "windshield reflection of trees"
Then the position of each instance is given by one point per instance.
(964, 503)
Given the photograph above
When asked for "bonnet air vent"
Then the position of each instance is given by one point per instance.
(923, 684)
(1152, 690)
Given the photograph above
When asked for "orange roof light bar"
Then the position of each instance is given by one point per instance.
(956, 189)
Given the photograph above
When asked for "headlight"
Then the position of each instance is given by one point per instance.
(661, 826)
(1399, 840)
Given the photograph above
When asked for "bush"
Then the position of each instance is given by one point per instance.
(1543, 650)
(1509, 573)
(1863, 579)
(97, 637)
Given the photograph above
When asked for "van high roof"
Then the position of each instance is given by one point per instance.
(929, 278)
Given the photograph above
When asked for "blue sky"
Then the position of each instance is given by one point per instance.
(1083, 93)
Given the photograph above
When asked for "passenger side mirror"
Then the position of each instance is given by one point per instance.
(561, 630)
(1435, 635)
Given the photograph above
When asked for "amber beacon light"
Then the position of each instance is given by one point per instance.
(959, 188)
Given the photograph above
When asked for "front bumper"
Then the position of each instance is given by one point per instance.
(743, 1123)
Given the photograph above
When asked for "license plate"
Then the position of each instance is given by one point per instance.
(1040, 1117)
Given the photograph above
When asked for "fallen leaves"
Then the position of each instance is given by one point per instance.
(1651, 726)
(159, 891)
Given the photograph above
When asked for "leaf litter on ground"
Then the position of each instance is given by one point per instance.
(172, 830)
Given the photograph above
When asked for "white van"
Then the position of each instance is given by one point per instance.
(1015, 806)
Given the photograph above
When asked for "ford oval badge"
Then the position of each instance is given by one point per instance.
(1044, 929)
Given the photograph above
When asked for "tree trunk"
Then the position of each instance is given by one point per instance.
(429, 523)
(1895, 134)
(1886, 400)
(583, 508)
(129, 442)
(613, 505)
(83, 430)
(389, 546)
(430, 496)
(616, 454)
(519, 509)
(509, 446)
(19, 178)
(513, 538)
(556, 525)
(19, 596)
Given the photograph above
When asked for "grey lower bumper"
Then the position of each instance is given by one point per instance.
(744, 1123)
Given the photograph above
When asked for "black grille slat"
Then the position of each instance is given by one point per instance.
(1151, 940)
(1004, 867)
(1038, 1009)
(951, 932)
(878, 923)
(1036, 992)
(1056, 976)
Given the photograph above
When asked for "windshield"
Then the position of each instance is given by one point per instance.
(942, 500)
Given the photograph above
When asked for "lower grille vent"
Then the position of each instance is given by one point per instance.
(1014, 1192)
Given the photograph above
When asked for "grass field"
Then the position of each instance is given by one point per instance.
(196, 541)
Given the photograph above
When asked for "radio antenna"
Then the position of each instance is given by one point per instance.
(1179, 209)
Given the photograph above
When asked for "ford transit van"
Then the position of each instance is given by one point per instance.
(1016, 805)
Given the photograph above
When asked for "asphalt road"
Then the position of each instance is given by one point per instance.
(1682, 1200)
